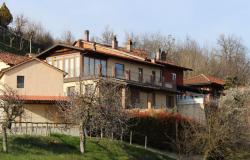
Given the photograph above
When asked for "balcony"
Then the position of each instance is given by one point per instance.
(133, 78)
(154, 81)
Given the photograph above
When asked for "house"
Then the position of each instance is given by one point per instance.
(151, 83)
(39, 85)
(212, 86)
(196, 93)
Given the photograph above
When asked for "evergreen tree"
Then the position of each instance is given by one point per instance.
(5, 16)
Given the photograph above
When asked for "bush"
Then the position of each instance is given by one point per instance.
(159, 127)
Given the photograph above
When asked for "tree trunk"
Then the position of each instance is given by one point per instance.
(4, 134)
(82, 139)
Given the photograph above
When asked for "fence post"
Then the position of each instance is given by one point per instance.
(47, 133)
(26, 129)
(146, 140)
(112, 136)
(130, 138)
(32, 129)
(101, 134)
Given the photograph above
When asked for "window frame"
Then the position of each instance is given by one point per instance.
(20, 84)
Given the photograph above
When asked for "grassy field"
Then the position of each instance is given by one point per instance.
(62, 147)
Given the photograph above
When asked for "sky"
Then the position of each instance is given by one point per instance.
(201, 20)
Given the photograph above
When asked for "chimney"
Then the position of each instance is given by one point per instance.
(86, 35)
(158, 54)
(130, 45)
(114, 43)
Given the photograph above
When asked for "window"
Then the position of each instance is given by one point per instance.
(153, 76)
(97, 66)
(66, 66)
(77, 66)
(92, 66)
(72, 68)
(70, 90)
(135, 97)
(60, 64)
(174, 76)
(104, 67)
(20, 81)
(86, 66)
(170, 101)
(140, 70)
(119, 70)
(161, 76)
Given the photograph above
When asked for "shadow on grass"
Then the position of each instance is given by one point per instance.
(140, 153)
(40, 144)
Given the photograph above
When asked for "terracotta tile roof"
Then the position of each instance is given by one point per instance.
(136, 54)
(11, 59)
(203, 79)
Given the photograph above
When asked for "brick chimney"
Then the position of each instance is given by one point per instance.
(86, 35)
(129, 45)
(114, 43)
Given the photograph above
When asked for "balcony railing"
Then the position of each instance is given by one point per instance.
(133, 77)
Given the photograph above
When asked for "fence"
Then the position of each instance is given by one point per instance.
(45, 129)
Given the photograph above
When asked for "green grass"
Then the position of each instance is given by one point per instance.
(62, 147)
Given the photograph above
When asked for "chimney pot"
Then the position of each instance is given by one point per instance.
(86, 35)
(114, 42)
(130, 45)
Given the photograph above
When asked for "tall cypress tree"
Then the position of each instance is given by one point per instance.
(5, 16)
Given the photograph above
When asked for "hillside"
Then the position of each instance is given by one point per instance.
(10, 42)
(61, 147)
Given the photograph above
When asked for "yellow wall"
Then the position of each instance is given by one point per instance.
(40, 113)
(39, 79)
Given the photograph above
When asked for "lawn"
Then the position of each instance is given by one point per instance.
(62, 147)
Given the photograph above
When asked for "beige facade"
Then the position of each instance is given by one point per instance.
(149, 98)
(39, 79)
(41, 84)
(40, 113)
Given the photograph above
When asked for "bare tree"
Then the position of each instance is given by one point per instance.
(100, 107)
(19, 24)
(107, 35)
(11, 107)
(226, 131)
(67, 38)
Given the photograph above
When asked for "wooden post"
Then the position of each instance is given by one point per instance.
(26, 129)
(146, 141)
(130, 138)
(112, 136)
(47, 127)
(101, 134)
(31, 128)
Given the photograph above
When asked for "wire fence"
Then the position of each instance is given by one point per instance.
(45, 129)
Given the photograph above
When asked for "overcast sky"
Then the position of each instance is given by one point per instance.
(199, 19)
